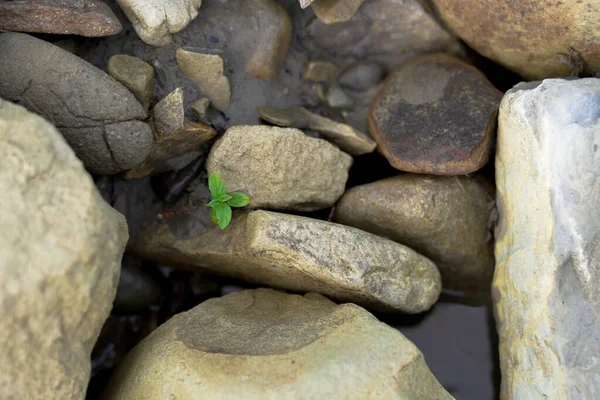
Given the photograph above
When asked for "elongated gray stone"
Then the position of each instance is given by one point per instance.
(546, 290)
(99, 117)
(301, 254)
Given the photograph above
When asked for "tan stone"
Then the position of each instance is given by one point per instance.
(173, 135)
(532, 38)
(266, 345)
(206, 70)
(280, 168)
(444, 218)
(344, 136)
(545, 287)
(155, 20)
(274, 40)
(319, 71)
(435, 115)
(200, 107)
(135, 74)
(60, 252)
(335, 11)
(301, 254)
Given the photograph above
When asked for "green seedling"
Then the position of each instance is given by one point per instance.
(222, 202)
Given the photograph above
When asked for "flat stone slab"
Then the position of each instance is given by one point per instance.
(435, 115)
(301, 254)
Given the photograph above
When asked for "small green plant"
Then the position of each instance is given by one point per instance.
(222, 202)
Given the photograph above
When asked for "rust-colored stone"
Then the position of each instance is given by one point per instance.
(435, 114)
(90, 18)
(533, 38)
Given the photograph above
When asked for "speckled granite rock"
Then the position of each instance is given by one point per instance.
(545, 287)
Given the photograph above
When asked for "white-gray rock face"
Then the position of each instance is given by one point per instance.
(60, 252)
(546, 290)
(155, 20)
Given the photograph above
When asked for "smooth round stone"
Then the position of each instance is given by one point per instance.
(435, 115)
(361, 76)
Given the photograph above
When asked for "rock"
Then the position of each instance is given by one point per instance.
(383, 31)
(92, 18)
(444, 218)
(97, 115)
(301, 254)
(137, 290)
(547, 242)
(301, 340)
(344, 136)
(200, 107)
(502, 33)
(335, 11)
(60, 248)
(155, 20)
(174, 136)
(319, 71)
(206, 70)
(280, 168)
(435, 115)
(334, 97)
(135, 74)
(273, 44)
(361, 76)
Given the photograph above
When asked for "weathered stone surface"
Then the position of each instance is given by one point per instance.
(200, 107)
(545, 286)
(60, 250)
(274, 40)
(435, 115)
(155, 20)
(344, 136)
(384, 31)
(361, 76)
(503, 31)
(173, 135)
(301, 254)
(444, 218)
(206, 70)
(280, 168)
(263, 344)
(135, 74)
(319, 71)
(335, 11)
(97, 115)
(91, 18)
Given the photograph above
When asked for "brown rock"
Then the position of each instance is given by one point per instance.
(335, 11)
(445, 218)
(173, 135)
(274, 40)
(344, 136)
(534, 37)
(319, 71)
(206, 70)
(91, 18)
(435, 115)
(135, 74)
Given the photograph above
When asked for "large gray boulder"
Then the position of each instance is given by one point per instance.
(99, 117)
(545, 288)
(300, 254)
(266, 345)
(60, 252)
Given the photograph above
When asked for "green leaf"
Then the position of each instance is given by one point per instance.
(224, 198)
(238, 199)
(213, 216)
(216, 186)
(223, 214)
(214, 202)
